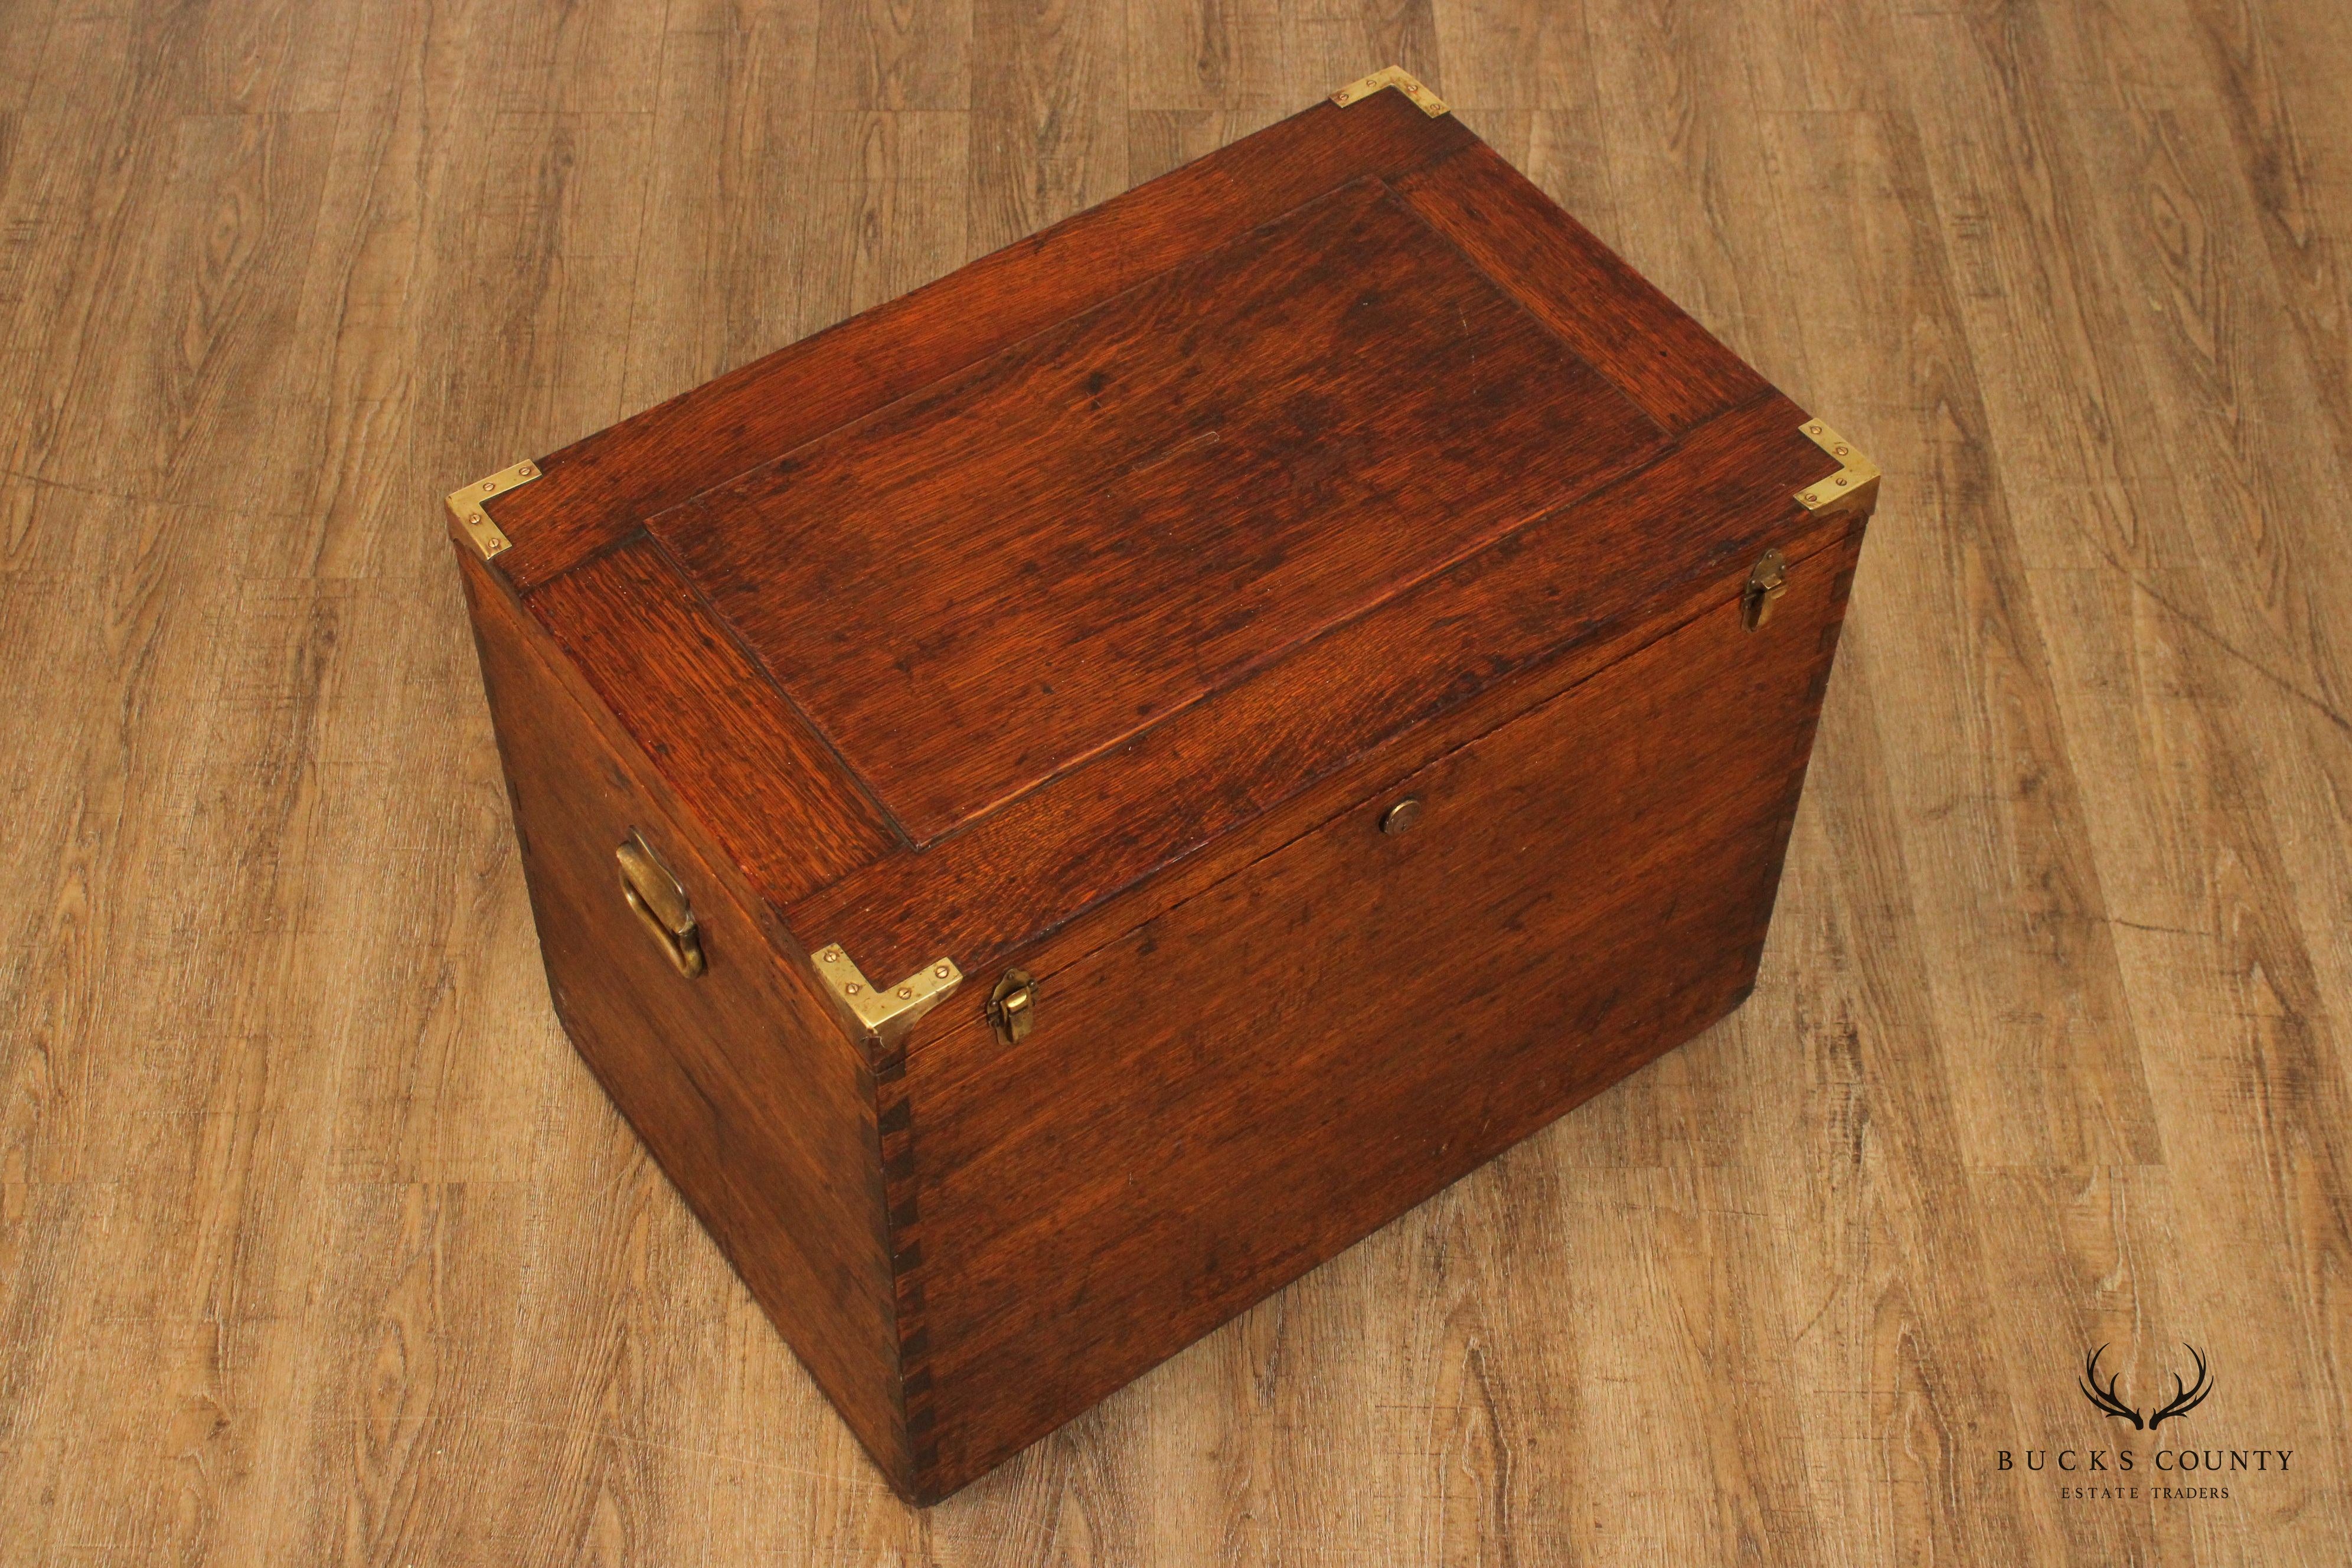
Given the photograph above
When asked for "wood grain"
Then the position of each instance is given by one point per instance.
(741, 1082)
(1423, 670)
(1030, 562)
(1172, 503)
(317, 1243)
(1611, 316)
(597, 492)
(780, 804)
(1234, 1091)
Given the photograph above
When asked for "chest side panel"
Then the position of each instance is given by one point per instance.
(1026, 565)
(1246, 1084)
(739, 1081)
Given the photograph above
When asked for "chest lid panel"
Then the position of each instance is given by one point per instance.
(986, 583)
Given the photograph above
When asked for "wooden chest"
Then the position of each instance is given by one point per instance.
(1063, 802)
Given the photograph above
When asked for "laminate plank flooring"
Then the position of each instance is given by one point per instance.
(318, 1245)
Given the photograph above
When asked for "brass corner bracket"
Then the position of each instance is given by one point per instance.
(1391, 76)
(466, 507)
(885, 1012)
(1857, 481)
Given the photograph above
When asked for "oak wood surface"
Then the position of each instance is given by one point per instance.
(780, 804)
(1422, 672)
(1234, 1091)
(1147, 510)
(1615, 319)
(995, 580)
(1095, 601)
(597, 488)
(317, 1244)
(757, 1105)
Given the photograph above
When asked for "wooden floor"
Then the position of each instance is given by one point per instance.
(317, 1243)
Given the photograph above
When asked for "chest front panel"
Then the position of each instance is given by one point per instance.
(1247, 1084)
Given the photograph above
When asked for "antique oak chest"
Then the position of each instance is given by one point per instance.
(1061, 802)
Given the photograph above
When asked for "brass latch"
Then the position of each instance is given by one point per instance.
(1013, 1006)
(660, 904)
(1768, 580)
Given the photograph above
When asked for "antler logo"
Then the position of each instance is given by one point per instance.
(2185, 1397)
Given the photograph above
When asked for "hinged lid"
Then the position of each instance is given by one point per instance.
(1034, 559)
(958, 620)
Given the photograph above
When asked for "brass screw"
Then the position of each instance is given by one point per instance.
(904, 991)
(850, 989)
(1400, 817)
(942, 972)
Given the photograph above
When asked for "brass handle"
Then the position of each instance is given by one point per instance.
(661, 904)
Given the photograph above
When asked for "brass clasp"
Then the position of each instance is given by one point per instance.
(1768, 580)
(1013, 1006)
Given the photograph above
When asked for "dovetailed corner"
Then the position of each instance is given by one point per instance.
(467, 507)
(1397, 77)
(1856, 478)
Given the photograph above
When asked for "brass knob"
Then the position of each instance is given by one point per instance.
(1400, 817)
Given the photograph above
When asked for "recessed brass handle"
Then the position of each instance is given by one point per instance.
(657, 900)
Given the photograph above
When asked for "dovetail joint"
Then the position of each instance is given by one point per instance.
(1391, 76)
(468, 510)
(1856, 478)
